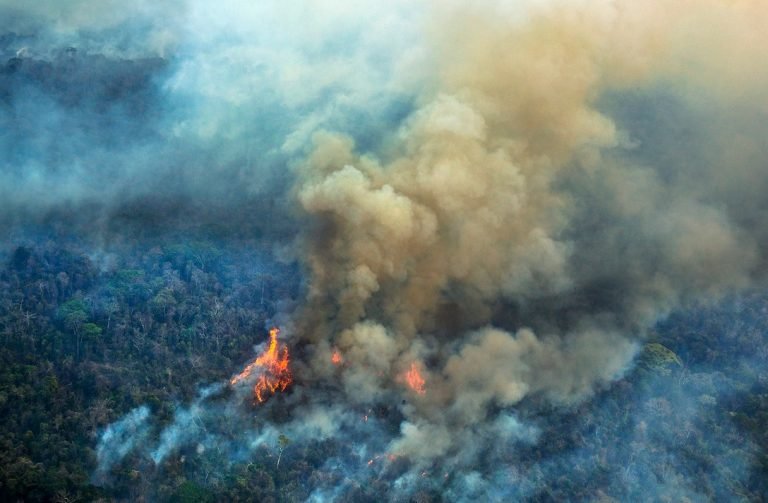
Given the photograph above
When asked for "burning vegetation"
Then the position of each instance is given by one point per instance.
(272, 367)
(414, 379)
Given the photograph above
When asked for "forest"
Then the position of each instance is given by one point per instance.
(87, 338)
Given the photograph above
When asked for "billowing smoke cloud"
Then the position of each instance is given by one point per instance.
(501, 198)
(512, 199)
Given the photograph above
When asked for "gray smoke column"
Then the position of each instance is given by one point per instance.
(508, 241)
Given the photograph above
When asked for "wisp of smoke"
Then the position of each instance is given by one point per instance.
(120, 438)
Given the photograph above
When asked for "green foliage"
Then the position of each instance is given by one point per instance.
(91, 331)
(658, 358)
(81, 347)
(51, 385)
(73, 312)
(189, 492)
(126, 277)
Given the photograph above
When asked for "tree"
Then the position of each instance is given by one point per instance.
(73, 315)
(91, 332)
(190, 492)
(20, 258)
(282, 442)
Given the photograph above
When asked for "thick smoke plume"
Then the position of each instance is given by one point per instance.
(507, 236)
(502, 197)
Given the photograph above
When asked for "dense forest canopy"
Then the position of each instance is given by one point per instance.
(401, 251)
(688, 419)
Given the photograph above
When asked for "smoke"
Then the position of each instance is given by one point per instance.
(502, 196)
(120, 438)
(185, 424)
(124, 120)
(512, 236)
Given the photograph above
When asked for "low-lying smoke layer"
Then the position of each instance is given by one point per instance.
(122, 119)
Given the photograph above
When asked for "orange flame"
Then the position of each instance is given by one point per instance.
(275, 376)
(336, 358)
(389, 457)
(414, 380)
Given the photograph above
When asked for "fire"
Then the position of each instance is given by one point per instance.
(275, 374)
(389, 457)
(414, 379)
(336, 358)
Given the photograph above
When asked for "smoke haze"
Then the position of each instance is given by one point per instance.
(504, 196)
